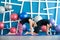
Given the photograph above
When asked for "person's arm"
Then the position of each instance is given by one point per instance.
(31, 25)
(48, 26)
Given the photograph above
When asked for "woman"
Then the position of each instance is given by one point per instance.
(36, 26)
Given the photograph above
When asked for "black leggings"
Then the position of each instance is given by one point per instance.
(40, 23)
(36, 29)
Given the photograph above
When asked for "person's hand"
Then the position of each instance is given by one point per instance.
(33, 34)
(28, 33)
(48, 34)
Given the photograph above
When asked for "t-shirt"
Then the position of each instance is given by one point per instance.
(25, 20)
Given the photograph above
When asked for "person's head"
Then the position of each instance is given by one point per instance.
(32, 22)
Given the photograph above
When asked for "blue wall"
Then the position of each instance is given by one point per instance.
(26, 8)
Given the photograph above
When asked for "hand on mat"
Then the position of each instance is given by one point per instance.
(34, 34)
(28, 33)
